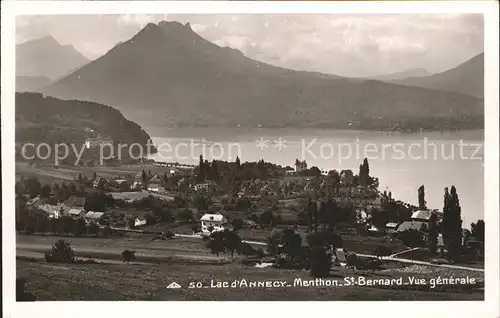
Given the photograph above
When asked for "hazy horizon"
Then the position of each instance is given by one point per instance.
(347, 45)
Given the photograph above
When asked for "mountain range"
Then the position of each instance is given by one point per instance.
(416, 72)
(467, 78)
(168, 75)
(40, 61)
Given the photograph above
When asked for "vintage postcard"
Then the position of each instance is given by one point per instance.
(257, 151)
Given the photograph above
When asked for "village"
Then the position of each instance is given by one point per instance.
(254, 199)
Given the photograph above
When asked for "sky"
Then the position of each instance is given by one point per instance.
(347, 45)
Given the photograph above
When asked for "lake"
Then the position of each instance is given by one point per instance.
(402, 161)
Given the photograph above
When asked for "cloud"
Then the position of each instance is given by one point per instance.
(236, 42)
(140, 19)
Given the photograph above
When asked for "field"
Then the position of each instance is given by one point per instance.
(186, 260)
(148, 282)
(50, 174)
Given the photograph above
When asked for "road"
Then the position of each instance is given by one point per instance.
(391, 258)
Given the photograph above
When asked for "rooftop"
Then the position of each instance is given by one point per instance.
(94, 215)
(212, 217)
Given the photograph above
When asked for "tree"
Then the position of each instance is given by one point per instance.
(201, 170)
(477, 230)
(79, 227)
(33, 186)
(302, 218)
(320, 262)
(238, 164)
(94, 176)
(130, 223)
(411, 238)
(311, 213)
(216, 243)
(97, 201)
(54, 225)
(452, 224)
(321, 244)
(202, 202)
(327, 239)
(213, 173)
(291, 243)
(19, 188)
(163, 214)
(267, 218)
(105, 231)
(382, 250)
(237, 224)
(93, 229)
(45, 191)
(61, 253)
(128, 256)
(231, 241)
(42, 224)
(186, 215)
(29, 225)
(432, 238)
(66, 224)
(144, 178)
(314, 172)
(273, 241)
(422, 204)
(150, 219)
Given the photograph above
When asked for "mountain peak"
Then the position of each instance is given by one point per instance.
(46, 57)
(47, 40)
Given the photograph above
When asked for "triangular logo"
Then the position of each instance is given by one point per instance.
(174, 285)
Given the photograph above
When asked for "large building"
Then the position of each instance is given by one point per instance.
(213, 222)
(300, 166)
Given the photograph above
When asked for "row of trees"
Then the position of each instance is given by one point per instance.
(37, 223)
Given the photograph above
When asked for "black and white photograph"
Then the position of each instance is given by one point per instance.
(272, 156)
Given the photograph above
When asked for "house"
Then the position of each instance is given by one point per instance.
(441, 248)
(76, 213)
(391, 227)
(35, 202)
(300, 166)
(214, 222)
(155, 187)
(412, 225)
(99, 141)
(425, 215)
(100, 182)
(155, 179)
(140, 220)
(53, 211)
(206, 186)
(119, 181)
(75, 202)
(136, 185)
(346, 177)
(93, 217)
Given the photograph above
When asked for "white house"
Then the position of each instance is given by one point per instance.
(140, 220)
(216, 221)
(206, 186)
(93, 217)
(76, 213)
(425, 215)
(53, 211)
(156, 188)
